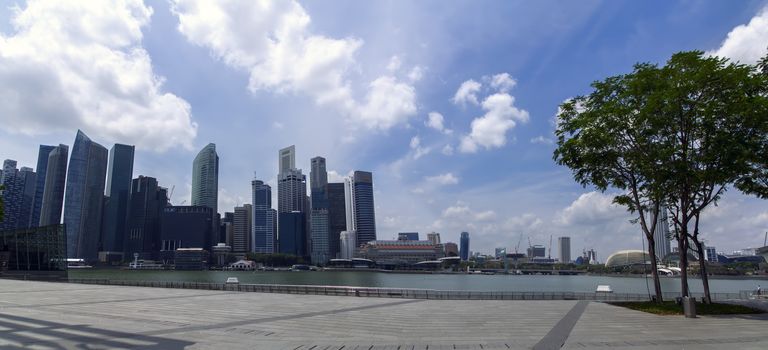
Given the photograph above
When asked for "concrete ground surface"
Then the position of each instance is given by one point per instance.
(40, 315)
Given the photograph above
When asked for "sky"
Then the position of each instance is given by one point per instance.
(451, 105)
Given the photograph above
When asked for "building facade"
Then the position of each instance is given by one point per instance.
(184, 227)
(84, 198)
(408, 236)
(42, 167)
(205, 179)
(119, 183)
(433, 237)
(451, 249)
(661, 237)
(293, 235)
(145, 208)
(464, 248)
(400, 252)
(320, 251)
(264, 218)
(55, 185)
(242, 229)
(337, 217)
(564, 245)
(18, 195)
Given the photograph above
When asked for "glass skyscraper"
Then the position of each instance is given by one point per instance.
(320, 238)
(119, 177)
(292, 205)
(145, 207)
(42, 168)
(264, 218)
(18, 195)
(205, 179)
(55, 184)
(464, 246)
(364, 213)
(336, 217)
(84, 197)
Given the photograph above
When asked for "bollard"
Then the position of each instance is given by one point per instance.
(689, 307)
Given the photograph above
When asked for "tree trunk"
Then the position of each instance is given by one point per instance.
(655, 270)
(682, 246)
(703, 270)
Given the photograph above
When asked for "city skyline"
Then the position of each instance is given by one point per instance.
(435, 170)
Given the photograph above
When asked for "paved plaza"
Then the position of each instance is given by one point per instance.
(39, 315)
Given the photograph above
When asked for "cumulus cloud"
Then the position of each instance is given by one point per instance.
(442, 179)
(394, 64)
(490, 130)
(591, 208)
(416, 74)
(435, 121)
(447, 150)
(746, 43)
(542, 140)
(272, 41)
(467, 92)
(503, 82)
(418, 150)
(461, 212)
(69, 65)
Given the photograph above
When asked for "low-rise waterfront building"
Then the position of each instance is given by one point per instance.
(402, 252)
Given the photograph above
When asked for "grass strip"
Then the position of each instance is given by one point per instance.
(670, 308)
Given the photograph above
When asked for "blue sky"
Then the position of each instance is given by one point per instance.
(373, 85)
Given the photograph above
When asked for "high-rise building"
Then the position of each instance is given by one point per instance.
(228, 226)
(293, 234)
(320, 251)
(291, 191)
(205, 179)
(564, 244)
(242, 230)
(361, 217)
(55, 185)
(264, 218)
(184, 227)
(18, 195)
(83, 202)
(318, 182)
(42, 168)
(119, 183)
(661, 236)
(710, 254)
(408, 236)
(464, 246)
(337, 219)
(292, 205)
(537, 251)
(347, 244)
(433, 237)
(145, 208)
(451, 249)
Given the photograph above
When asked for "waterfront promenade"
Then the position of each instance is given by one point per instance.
(76, 316)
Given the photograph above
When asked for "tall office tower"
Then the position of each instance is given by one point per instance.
(264, 218)
(291, 205)
(661, 236)
(84, 197)
(42, 168)
(184, 227)
(318, 183)
(205, 179)
(119, 180)
(464, 246)
(361, 216)
(347, 242)
(433, 237)
(55, 184)
(564, 243)
(145, 207)
(228, 227)
(241, 231)
(18, 195)
(337, 220)
(320, 246)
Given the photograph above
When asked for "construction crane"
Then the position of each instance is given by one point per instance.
(518, 243)
(170, 196)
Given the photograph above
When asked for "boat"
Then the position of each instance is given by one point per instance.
(77, 264)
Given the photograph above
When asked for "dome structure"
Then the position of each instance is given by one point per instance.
(628, 258)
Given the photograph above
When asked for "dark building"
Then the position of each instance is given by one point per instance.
(464, 246)
(408, 236)
(320, 233)
(119, 178)
(364, 207)
(451, 249)
(34, 253)
(191, 259)
(337, 218)
(145, 207)
(184, 227)
(83, 202)
(264, 218)
(227, 228)
(537, 251)
(318, 183)
(42, 168)
(18, 195)
(55, 184)
(293, 235)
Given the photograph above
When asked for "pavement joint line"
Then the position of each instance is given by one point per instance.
(276, 318)
(556, 337)
(115, 301)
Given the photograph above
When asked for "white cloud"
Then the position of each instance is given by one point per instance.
(442, 179)
(591, 208)
(418, 150)
(416, 74)
(503, 82)
(490, 130)
(70, 65)
(746, 43)
(335, 176)
(467, 92)
(394, 64)
(542, 140)
(278, 125)
(273, 42)
(462, 213)
(435, 121)
(447, 150)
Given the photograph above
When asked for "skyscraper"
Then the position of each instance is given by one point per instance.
(55, 184)
(145, 207)
(18, 195)
(337, 220)
(464, 246)
(242, 228)
(361, 217)
(564, 243)
(264, 218)
(42, 168)
(119, 179)
(318, 177)
(433, 237)
(205, 179)
(84, 197)
(319, 217)
(661, 236)
(291, 205)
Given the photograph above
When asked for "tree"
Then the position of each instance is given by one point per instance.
(608, 140)
(715, 137)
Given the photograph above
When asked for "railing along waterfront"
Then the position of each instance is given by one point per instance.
(404, 293)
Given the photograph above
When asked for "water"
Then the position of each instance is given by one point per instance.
(524, 283)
